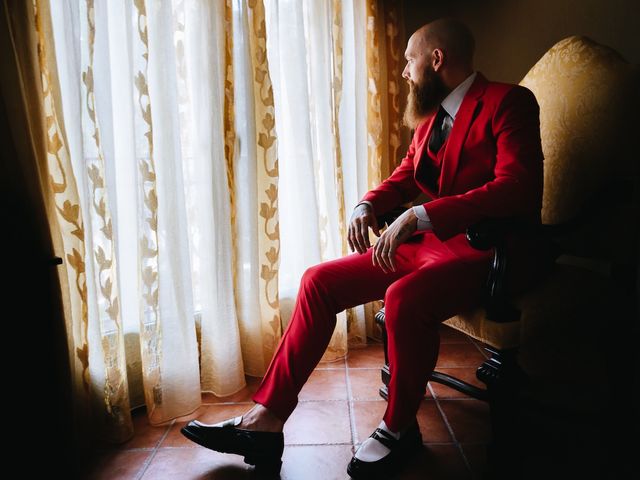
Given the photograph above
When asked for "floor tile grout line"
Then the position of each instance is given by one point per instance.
(230, 404)
(350, 406)
(451, 432)
(248, 402)
(364, 368)
(124, 449)
(327, 444)
(145, 465)
(148, 461)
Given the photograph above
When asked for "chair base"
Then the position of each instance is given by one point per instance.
(442, 378)
(504, 380)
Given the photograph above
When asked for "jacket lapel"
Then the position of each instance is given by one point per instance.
(461, 125)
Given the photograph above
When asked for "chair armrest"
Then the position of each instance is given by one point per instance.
(491, 234)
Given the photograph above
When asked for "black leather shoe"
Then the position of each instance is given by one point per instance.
(262, 449)
(401, 450)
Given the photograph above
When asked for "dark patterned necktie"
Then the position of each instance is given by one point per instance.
(441, 129)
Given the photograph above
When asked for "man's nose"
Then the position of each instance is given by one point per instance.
(405, 72)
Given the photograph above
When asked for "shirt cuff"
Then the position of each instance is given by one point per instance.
(424, 223)
(367, 202)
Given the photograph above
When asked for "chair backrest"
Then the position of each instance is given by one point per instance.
(585, 91)
(588, 104)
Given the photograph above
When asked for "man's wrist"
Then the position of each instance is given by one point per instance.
(365, 202)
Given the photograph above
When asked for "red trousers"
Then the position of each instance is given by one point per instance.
(433, 281)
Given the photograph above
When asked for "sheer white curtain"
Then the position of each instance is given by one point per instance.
(317, 56)
(142, 88)
(198, 224)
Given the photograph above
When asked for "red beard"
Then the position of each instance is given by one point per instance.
(423, 98)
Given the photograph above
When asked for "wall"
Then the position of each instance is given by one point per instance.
(511, 35)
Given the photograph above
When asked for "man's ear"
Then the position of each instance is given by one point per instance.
(437, 59)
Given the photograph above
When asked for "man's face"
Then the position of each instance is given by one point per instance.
(426, 88)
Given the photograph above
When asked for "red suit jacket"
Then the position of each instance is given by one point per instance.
(492, 166)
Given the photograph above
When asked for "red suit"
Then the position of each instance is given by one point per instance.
(490, 166)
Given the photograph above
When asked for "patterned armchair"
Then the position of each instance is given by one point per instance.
(588, 98)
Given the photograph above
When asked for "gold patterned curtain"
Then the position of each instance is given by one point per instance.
(146, 201)
(267, 180)
(386, 88)
(386, 94)
(178, 236)
(69, 235)
(112, 397)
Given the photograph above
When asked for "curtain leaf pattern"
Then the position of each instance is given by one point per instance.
(337, 58)
(383, 108)
(230, 132)
(116, 398)
(269, 244)
(150, 328)
(67, 204)
(394, 58)
(384, 87)
(374, 101)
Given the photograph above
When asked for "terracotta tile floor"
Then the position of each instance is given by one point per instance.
(339, 407)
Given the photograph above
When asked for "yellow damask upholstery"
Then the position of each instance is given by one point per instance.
(586, 94)
(584, 91)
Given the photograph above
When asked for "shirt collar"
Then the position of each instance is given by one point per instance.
(453, 101)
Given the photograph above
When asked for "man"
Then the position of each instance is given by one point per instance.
(476, 152)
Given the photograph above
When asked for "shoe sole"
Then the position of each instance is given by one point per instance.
(262, 463)
(410, 450)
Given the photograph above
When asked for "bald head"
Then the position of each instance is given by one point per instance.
(452, 37)
(439, 57)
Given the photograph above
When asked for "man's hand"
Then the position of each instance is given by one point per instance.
(384, 251)
(358, 235)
